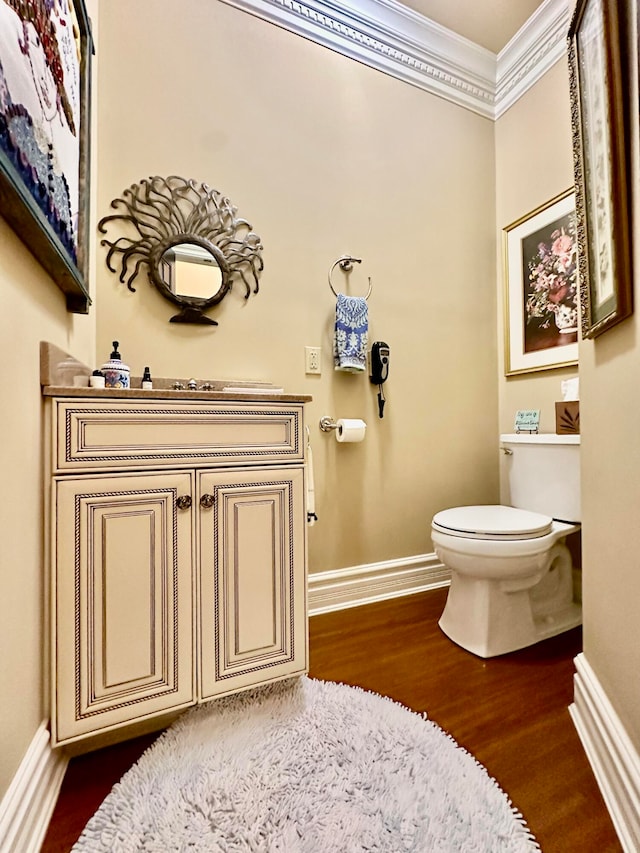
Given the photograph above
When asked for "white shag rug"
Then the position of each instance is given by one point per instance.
(306, 766)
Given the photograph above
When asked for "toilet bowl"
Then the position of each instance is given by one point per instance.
(511, 571)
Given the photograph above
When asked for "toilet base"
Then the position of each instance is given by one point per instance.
(486, 620)
(543, 628)
(500, 602)
(556, 623)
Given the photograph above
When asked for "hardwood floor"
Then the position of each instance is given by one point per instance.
(510, 712)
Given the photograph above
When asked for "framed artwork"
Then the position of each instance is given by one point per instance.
(541, 288)
(45, 51)
(598, 82)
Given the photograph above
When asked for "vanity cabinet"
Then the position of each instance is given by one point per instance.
(178, 555)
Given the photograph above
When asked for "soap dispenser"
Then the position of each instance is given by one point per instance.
(116, 372)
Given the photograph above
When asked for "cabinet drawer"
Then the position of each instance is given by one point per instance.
(117, 434)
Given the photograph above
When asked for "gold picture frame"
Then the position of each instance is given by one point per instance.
(541, 288)
(596, 45)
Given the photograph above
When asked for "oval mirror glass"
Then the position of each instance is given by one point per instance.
(190, 270)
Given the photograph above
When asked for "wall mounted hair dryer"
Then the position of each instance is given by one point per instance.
(379, 370)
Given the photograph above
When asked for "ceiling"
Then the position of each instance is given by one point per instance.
(489, 23)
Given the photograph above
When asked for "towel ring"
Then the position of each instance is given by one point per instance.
(346, 264)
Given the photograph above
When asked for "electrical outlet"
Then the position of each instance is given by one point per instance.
(312, 356)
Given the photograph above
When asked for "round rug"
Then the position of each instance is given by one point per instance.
(306, 766)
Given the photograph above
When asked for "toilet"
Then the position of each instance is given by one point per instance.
(511, 571)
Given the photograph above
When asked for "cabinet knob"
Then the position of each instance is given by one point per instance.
(184, 501)
(207, 501)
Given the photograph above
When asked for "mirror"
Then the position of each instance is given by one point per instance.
(190, 270)
(190, 240)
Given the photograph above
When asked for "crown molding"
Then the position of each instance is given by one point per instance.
(538, 45)
(394, 39)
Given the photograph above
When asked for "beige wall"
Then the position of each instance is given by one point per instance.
(610, 415)
(533, 157)
(33, 309)
(533, 165)
(323, 156)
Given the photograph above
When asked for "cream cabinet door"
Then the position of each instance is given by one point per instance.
(122, 585)
(253, 621)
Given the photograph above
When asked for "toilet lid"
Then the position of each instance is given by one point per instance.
(492, 522)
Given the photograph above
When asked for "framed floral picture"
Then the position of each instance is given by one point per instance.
(598, 83)
(45, 51)
(541, 288)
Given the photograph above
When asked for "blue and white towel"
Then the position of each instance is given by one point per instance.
(352, 326)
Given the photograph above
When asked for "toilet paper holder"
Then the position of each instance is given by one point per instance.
(346, 430)
(327, 424)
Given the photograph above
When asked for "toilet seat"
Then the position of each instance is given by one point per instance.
(496, 523)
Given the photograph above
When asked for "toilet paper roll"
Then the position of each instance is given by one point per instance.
(350, 429)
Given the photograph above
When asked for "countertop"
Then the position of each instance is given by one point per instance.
(217, 395)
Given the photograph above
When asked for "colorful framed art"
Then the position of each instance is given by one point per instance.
(45, 53)
(601, 156)
(541, 288)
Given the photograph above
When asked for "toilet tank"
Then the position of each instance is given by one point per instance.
(541, 473)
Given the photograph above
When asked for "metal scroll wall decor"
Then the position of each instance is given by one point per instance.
(189, 238)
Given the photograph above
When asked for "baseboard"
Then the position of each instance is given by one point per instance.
(27, 806)
(613, 758)
(357, 585)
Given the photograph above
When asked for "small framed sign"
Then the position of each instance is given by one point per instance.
(527, 420)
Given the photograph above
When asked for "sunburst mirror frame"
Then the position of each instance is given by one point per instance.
(167, 212)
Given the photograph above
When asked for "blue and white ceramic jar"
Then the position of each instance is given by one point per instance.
(116, 372)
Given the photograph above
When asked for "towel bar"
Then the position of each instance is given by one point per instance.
(346, 263)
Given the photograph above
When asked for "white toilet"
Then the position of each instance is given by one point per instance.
(511, 573)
